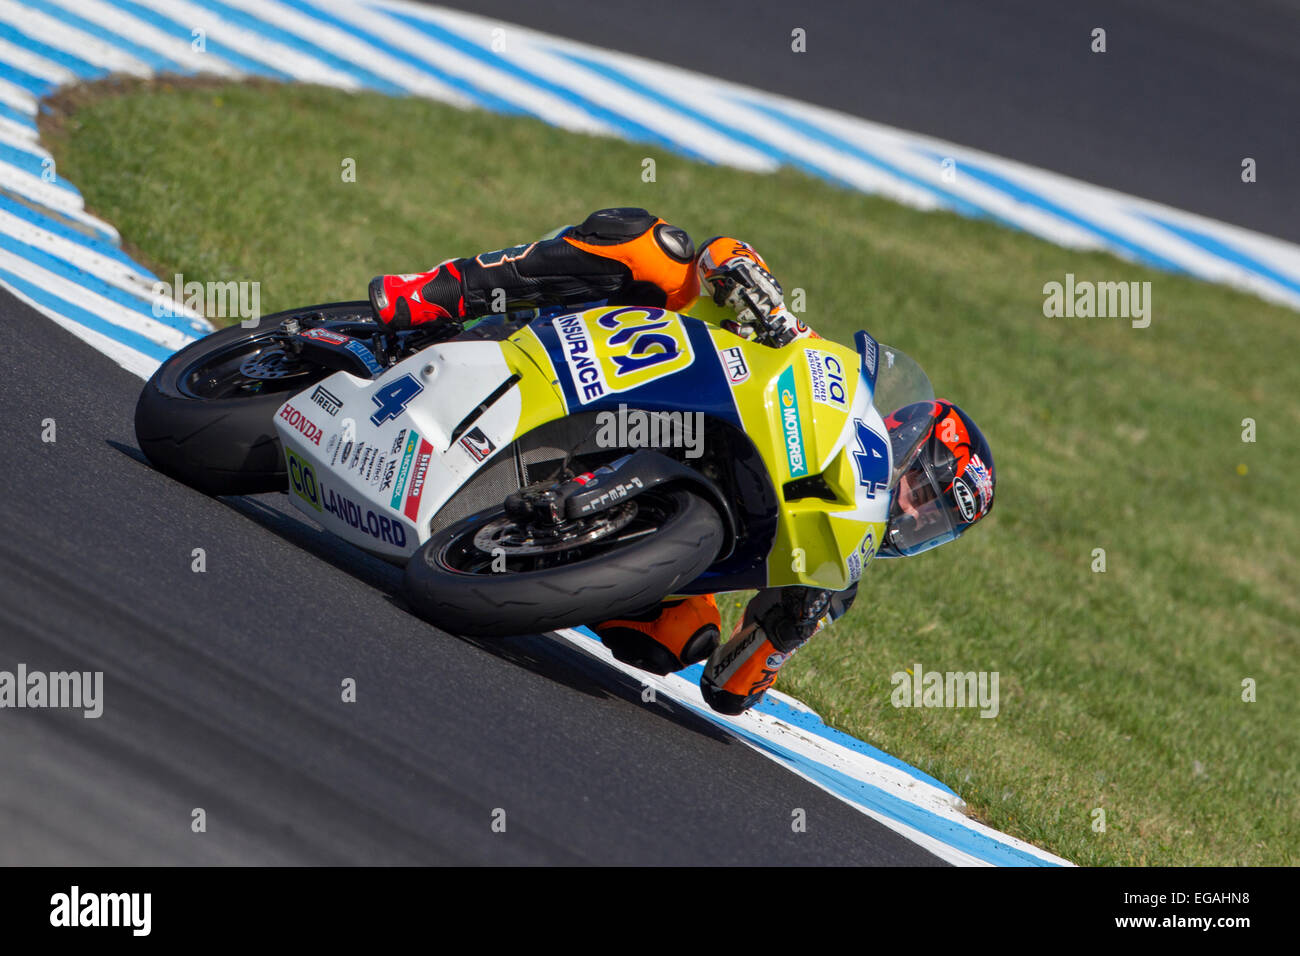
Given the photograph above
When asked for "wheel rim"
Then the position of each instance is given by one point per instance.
(482, 548)
(257, 365)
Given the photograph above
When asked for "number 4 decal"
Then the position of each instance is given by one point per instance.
(872, 459)
(393, 398)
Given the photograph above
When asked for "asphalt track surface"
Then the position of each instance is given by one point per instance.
(222, 689)
(1185, 91)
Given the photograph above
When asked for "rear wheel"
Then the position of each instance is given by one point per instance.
(206, 416)
(487, 576)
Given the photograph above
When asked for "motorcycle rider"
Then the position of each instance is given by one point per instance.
(626, 256)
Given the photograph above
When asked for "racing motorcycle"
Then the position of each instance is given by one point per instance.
(546, 469)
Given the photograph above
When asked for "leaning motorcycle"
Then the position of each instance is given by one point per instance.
(535, 471)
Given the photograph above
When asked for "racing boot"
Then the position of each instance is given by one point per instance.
(777, 622)
(402, 301)
(667, 638)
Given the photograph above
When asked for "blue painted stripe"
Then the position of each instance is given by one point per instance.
(151, 58)
(88, 319)
(19, 77)
(741, 136)
(92, 283)
(1223, 250)
(34, 164)
(765, 147)
(814, 725)
(102, 242)
(625, 125)
(212, 45)
(974, 842)
(483, 97)
(1025, 195)
(17, 116)
(818, 134)
(52, 53)
(251, 23)
(951, 832)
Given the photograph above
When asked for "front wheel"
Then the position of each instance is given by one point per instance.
(206, 417)
(487, 576)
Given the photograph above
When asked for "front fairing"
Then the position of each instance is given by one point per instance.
(806, 407)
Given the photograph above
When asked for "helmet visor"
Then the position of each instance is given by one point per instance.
(921, 516)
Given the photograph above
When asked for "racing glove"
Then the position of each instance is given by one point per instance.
(735, 276)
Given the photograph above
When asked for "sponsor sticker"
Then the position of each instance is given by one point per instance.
(326, 400)
(367, 357)
(978, 472)
(581, 358)
(419, 471)
(325, 335)
(733, 360)
(791, 425)
(857, 561)
(622, 349)
(301, 423)
(827, 375)
(870, 356)
(412, 443)
(477, 444)
(302, 479)
(965, 499)
(379, 527)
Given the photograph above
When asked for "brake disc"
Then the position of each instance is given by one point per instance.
(270, 365)
(504, 536)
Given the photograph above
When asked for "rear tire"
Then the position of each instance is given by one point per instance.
(223, 446)
(624, 579)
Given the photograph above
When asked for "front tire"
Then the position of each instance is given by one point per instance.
(197, 422)
(452, 584)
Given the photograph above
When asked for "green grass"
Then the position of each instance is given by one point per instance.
(1119, 691)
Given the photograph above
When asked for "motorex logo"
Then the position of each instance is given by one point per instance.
(791, 425)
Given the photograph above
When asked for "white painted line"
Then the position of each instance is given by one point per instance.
(134, 362)
(114, 272)
(13, 95)
(38, 190)
(18, 132)
(24, 144)
(145, 34)
(523, 49)
(544, 104)
(93, 302)
(667, 123)
(255, 46)
(35, 64)
(352, 48)
(79, 43)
